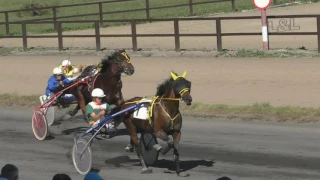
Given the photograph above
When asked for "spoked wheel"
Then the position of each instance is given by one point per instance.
(39, 125)
(50, 115)
(149, 154)
(82, 162)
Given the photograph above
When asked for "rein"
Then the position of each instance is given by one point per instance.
(160, 99)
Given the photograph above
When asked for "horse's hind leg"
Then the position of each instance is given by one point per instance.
(176, 140)
(74, 111)
(134, 138)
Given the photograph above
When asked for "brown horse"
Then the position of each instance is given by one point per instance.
(165, 119)
(108, 79)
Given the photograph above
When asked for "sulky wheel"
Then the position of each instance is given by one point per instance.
(82, 162)
(50, 115)
(39, 125)
(149, 154)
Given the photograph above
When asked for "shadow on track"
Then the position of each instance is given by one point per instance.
(163, 163)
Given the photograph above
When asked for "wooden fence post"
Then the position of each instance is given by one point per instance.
(233, 4)
(7, 23)
(176, 35)
(98, 42)
(147, 9)
(191, 7)
(101, 13)
(54, 17)
(60, 40)
(24, 36)
(318, 31)
(134, 35)
(218, 32)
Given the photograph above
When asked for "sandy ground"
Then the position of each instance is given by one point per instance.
(201, 43)
(227, 81)
(209, 149)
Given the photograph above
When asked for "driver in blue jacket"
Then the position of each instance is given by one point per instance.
(56, 82)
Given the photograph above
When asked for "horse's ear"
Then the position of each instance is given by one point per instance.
(184, 75)
(174, 77)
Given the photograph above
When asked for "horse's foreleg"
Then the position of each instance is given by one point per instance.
(164, 137)
(129, 147)
(81, 102)
(176, 140)
(82, 105)
(120, 98)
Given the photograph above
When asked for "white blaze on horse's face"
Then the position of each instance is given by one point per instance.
(182, 87)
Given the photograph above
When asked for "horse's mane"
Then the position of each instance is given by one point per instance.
(161, 89)
(108, 59)
(105, 62)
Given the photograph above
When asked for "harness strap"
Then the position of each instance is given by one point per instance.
(150, 108)
(184, 90)
(172, 119)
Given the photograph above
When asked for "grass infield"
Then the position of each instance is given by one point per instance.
(257, 111)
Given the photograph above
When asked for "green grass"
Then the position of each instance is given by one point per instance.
(241, 53)
(284, 53)
(199, 10)
(257, 111)
(19, 100)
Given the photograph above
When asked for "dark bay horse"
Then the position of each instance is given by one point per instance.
(108, 79)
(166, 118)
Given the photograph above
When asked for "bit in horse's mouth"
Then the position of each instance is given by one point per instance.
(128, 72)
(187, 101)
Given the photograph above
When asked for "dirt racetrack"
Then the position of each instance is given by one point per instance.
(210, 149)
(228, 81)
(201, 43)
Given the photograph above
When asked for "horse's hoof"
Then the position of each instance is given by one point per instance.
(183, 174)
(72, 113)
(128, 149)
(146, 171)
(157, 147)
(107, 136)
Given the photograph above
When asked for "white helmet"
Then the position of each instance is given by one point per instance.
(66, 62)
(57, 70)
(97, 92)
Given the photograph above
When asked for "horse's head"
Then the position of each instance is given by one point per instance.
(122, 59)
(182, 87)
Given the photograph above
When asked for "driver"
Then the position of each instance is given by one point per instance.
(97, 109)
(69, 70)
(56, 82)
